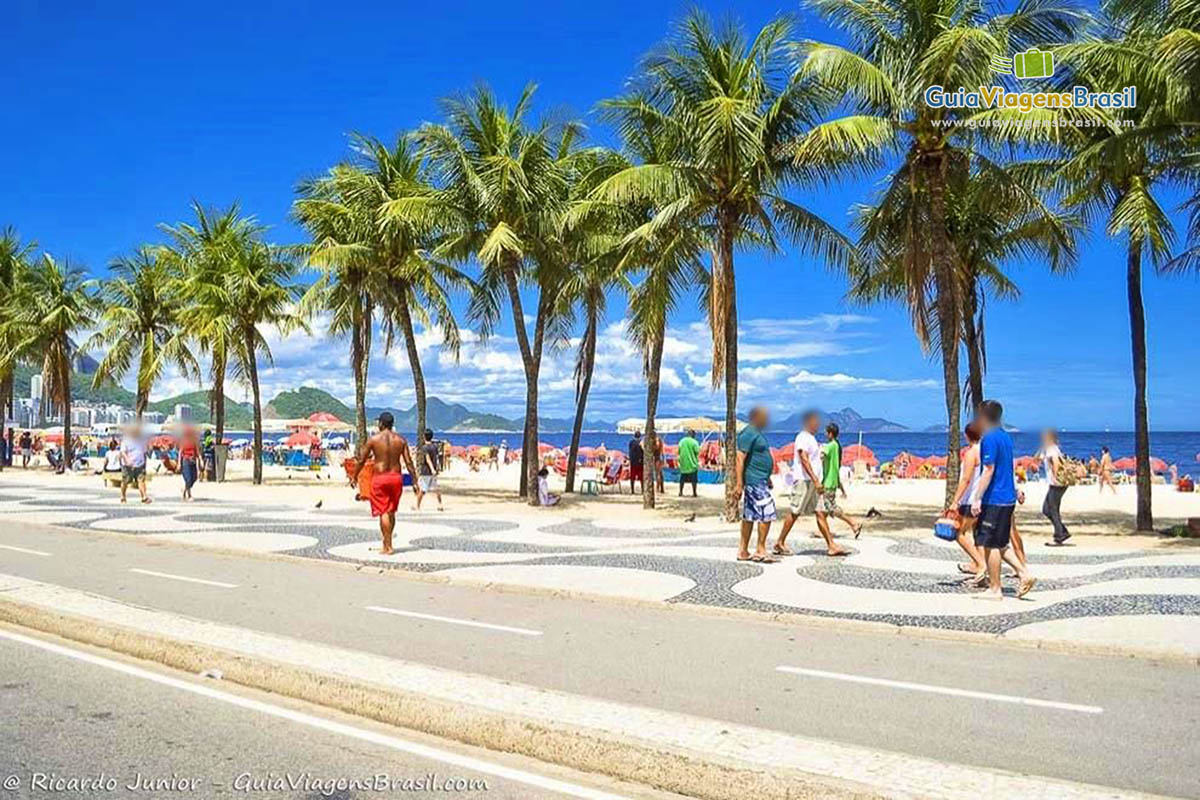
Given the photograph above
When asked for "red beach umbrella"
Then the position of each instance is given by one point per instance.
(1127, 462)
(301, 439)
(322, 416)
(858, 452)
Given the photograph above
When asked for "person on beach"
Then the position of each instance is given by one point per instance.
(753, 483)
(189, 461)
(1106, 471)
(389, 451)
(831, 482)
(995, 503)
(26, 449)
(502, 453)
(208, 470)
(133, 462)
(545, 498)
(655, 446)
(1054, 463)
(964, 496)
(112, 458)
(807, 486)
(689, 462)
(428, 467)
(636, 462)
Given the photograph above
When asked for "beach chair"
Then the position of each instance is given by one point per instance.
(589, 480)
(612, 475)
(861, 473)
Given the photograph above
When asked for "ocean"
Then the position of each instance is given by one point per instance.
(1173, 447)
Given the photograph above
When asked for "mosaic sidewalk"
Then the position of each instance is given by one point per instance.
(898, 580)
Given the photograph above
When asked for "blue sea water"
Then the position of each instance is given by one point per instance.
(1173, 447)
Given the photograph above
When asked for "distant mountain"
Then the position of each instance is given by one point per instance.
(304, 402)
(238, 416)
(848, 421)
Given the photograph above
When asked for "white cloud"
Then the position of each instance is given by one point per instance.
(840, 380)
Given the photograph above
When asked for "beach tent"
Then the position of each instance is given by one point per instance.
(859, 452)
(301, 439)
(675, 425)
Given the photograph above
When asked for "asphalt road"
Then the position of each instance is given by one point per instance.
(80, 728)
(1115, 721)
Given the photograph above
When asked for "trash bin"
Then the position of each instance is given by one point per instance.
(221, 452)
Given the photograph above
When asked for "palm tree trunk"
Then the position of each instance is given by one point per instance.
(948, 317)
(531, 395)
(724, 274)
(1141, 420)
(654, 446)
(360, 343)
(252, 371)
(6, 412)
(529, 460)
(587, 365)
(141, 402)
(216, 399)
(973, 340)
(414, 361)
(64, 379)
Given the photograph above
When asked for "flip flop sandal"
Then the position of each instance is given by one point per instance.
(839, 554)
(768, 559)
(781, 551)
(967, 570)
(857, 531)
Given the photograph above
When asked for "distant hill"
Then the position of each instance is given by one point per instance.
(848, 421)
(304, 402)
(238, 416)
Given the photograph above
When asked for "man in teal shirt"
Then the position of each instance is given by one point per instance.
(753, 482)
(689, 462)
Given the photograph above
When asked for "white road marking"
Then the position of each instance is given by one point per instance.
(925, 687)
(220, 584)
(341, 729)
(23, 550)
(455, 621)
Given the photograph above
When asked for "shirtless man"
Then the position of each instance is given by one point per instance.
(388, 449)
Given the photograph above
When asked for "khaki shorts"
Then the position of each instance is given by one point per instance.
(803, 499)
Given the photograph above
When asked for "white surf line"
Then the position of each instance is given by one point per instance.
(339, 728)
(925, 687)
(454, 621)
(151, 572)
(23, 550)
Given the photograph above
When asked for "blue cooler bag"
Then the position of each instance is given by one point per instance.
(946, 527)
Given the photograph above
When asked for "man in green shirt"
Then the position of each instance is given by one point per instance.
(753, 482)
(831, 455)
(689, 462)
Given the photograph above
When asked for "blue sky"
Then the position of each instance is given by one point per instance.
(117, 115)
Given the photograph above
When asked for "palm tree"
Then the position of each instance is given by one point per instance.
(14, 261)
(142, 320)
(1118, 172)
(899, 48)
(726, 111)
(371, 265)
(994, 216)
(205, 251)
(500, 185)
(259, 292)
(56, 303)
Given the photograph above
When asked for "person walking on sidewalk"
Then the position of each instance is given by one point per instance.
(429, 463)
(964, 496)
(689, 462)
(807, 487)
(389, 451)
(831, 455)
(996, 501)
(754, 468)
(1056, 468)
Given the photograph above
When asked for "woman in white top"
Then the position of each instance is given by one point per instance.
(964, 496)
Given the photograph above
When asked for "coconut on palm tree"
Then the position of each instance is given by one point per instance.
(725, 110)
(142, 322)
(897, 50)
(56, 303)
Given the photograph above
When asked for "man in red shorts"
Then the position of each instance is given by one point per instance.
(388, 449)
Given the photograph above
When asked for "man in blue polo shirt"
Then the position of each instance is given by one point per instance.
(995, 501)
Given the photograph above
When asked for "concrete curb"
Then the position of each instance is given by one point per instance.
(673, 752)
(791, 619)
